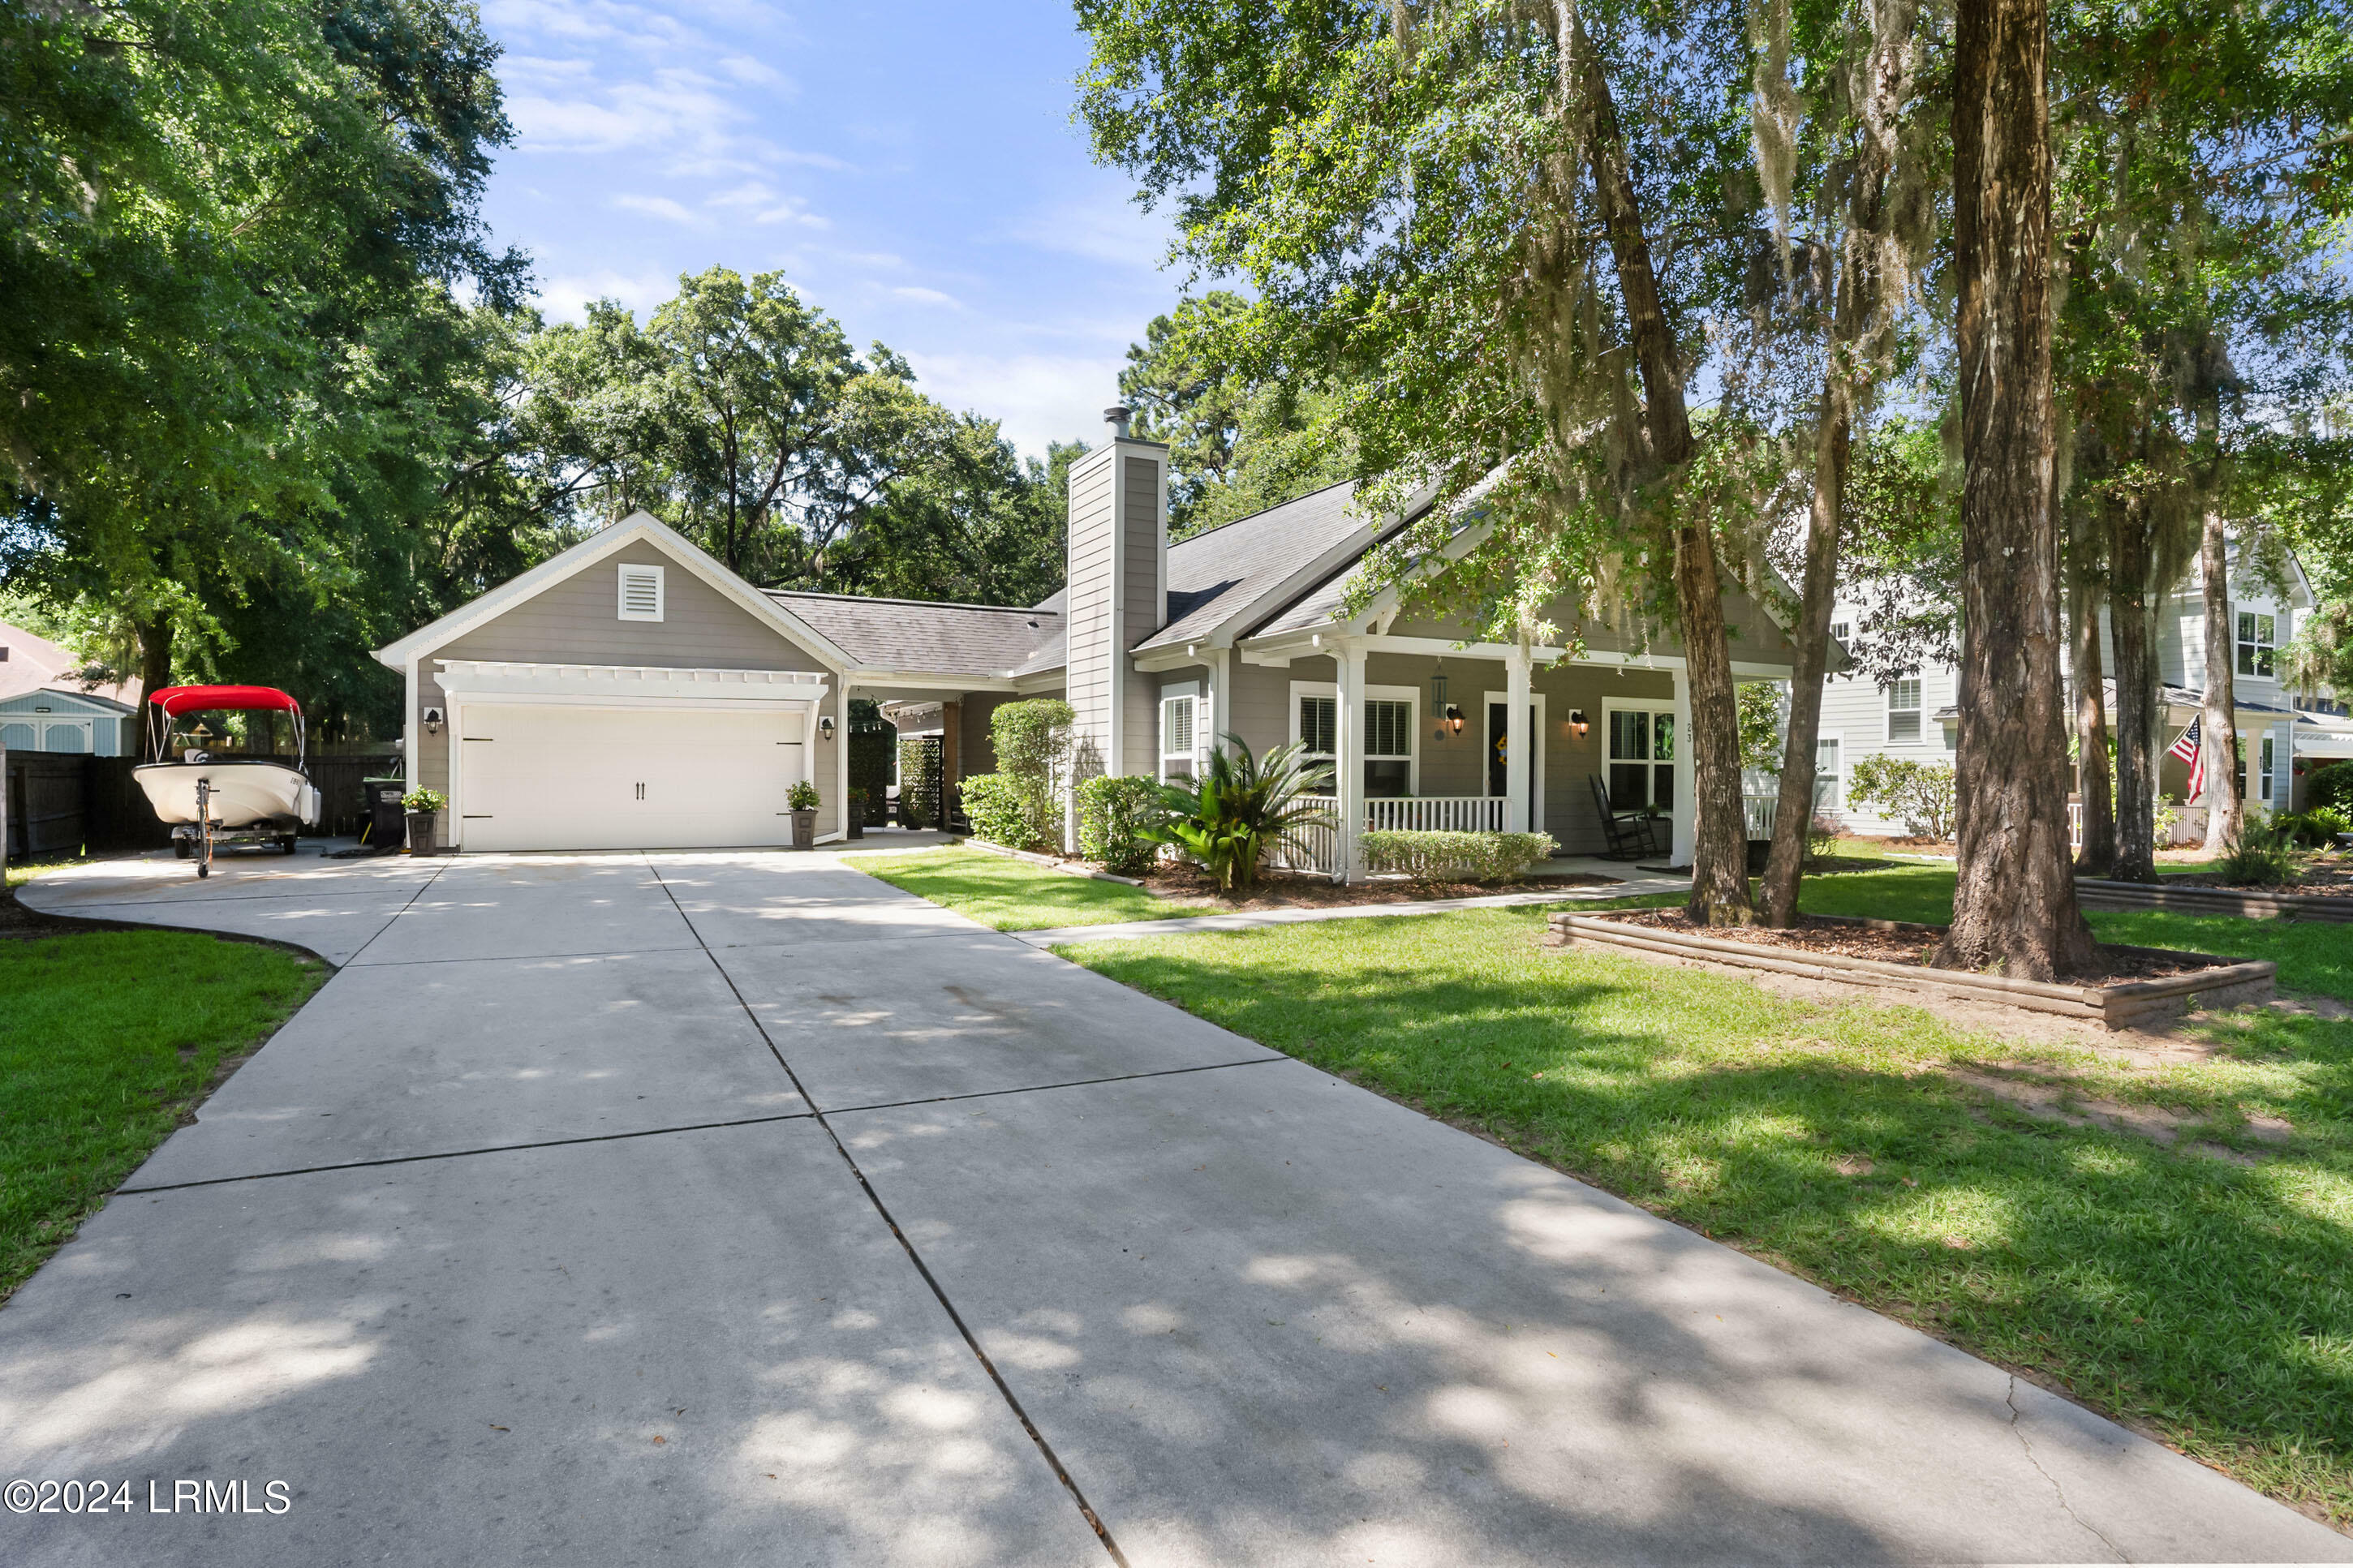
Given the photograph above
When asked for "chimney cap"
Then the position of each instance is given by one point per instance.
(1116, 416)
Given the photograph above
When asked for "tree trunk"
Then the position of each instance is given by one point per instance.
(2133, 626)
(1719, 836)
(2097, 857)
(2014, 901)
(2224, 809)
(1794, 810)
(154, 656)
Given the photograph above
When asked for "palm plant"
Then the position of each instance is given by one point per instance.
(1243, 805)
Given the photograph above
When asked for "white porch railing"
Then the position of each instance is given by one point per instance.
(1435, 814)
(1759, 812)
(1321, 845)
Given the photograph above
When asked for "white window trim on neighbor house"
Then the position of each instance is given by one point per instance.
(1189, 752)
(641, 592)
(1409, 695)
(1835, 800)
(1896, 690)
(2256, 640)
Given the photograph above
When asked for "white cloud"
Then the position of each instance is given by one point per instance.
(928, 296)
(752, 73)
(1036, 398)
(657, 206)
(565, 297)
(1105, 230)
(762, 203)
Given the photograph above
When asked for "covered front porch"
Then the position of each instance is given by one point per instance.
(1423, 735)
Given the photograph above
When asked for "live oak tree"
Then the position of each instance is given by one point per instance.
(2014, 908)
(229, 238)
(1854, 169)
(1457, 216)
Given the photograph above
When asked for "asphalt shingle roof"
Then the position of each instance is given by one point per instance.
(1213, 575)
(919, 635)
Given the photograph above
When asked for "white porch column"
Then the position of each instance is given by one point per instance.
(1684, 811)
(1518, 742)
(1348, 659)
(1217, 716)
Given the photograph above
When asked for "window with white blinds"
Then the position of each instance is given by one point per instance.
(1903, 713)
(1319, 725)
(641, 592)
(1176, 743)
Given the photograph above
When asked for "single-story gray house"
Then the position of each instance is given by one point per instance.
(632, 692)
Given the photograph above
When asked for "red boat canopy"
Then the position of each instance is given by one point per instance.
(178, 700)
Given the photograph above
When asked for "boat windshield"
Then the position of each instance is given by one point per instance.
(233, 734)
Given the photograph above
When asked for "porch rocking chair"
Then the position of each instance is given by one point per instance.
(1632, 834)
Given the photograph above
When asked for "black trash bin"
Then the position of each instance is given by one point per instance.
(387, 824)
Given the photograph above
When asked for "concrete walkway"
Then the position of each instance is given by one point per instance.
(736, 1208)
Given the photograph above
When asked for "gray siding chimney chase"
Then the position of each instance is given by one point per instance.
(1117, 595)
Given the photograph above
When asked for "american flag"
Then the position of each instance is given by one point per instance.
(2190, 751)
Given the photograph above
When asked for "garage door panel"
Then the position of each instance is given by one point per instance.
(552, 777)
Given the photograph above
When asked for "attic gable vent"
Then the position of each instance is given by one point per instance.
(641, 592)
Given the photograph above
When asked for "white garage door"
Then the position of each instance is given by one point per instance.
(626, 778)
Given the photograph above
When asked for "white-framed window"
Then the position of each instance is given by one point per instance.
(641, 592)
(2257, 635)
(1829, 773)
(1392, 721)
(2264, 753)
(1641, 746)
(1904, 712)
(1839, 630)
(1179, 727)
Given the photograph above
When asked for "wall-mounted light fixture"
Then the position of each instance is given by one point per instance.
(825, 728)
(1576, 724)
(1454, 719)
(433, 720)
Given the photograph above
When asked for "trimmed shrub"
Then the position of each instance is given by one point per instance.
(1032, 741)
(2330, 786)
(1116, 818)
(1924, 796)
(1479, 857)
(2316, 828)
(1000, 812)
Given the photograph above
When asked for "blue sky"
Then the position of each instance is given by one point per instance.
(911, 168)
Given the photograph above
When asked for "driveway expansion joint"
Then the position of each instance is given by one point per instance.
(469, 1153)
(972, 1341)
(1042, 1088)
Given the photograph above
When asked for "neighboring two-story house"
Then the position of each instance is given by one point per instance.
(1919, 718)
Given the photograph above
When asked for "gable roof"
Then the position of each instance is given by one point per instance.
(36, 664)
(929, 635)
(637, 527)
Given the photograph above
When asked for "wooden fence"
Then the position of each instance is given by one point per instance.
(60, 802)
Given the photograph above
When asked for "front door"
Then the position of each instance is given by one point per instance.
(1499, 754)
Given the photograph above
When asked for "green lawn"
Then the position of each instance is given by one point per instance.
(1014, 895)
(106, 1040)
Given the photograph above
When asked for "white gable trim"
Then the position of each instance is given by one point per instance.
(637, 526)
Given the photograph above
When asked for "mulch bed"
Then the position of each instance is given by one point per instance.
(2327, 878)
(1295, 890)
(17, 921)
(1894, 942)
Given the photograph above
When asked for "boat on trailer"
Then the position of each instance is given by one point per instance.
(233, 784)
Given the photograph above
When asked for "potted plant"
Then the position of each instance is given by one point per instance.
(802, 798)
(424, 806)
(854, 822)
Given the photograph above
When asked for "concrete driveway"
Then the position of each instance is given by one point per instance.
(738, 1208)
